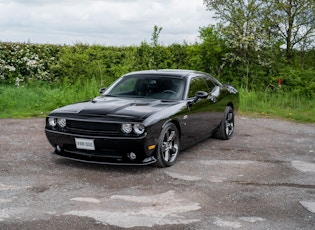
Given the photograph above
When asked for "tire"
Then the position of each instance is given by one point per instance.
(226, 128)
(168, 146)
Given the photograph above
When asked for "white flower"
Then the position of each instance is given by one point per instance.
(17, 81)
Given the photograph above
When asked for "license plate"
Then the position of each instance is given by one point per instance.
(87, 144)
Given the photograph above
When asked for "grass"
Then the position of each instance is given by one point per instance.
(39, 100)
(277, 104)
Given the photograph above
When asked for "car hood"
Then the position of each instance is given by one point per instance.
(135, 109)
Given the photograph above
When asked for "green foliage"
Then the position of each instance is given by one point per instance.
(25, 101)
(23, 62)
(299, 82)
(208, 56)
(35, 79)
(104, 63)
(38, 100)
(293, 22)
(254, 34)
(79, 62)
(249, 23)
(277, 104)
(242, 35)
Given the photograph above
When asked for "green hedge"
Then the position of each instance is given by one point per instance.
(25, 64)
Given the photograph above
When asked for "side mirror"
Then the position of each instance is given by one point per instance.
(102, 90)
(199, 95)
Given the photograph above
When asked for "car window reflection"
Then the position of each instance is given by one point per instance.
(153, 87)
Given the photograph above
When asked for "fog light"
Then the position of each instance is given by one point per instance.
(132, 156)
(58, 148)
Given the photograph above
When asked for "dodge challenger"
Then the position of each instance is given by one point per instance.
(144, 117)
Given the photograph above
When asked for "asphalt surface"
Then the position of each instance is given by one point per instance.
(263, 178)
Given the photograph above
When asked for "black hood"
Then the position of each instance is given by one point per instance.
(136, 109)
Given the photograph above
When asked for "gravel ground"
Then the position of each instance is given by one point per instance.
(263, 178)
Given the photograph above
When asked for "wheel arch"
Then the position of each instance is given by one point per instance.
(230, 104)
(176, 123)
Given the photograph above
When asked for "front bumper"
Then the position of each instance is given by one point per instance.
(108, 150)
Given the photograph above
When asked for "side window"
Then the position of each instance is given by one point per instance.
(213, 86)
(197, 84)
(210, 84)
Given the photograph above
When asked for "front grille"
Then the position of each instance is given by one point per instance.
(93, 128)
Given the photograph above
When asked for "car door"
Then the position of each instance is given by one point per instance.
(216, 96)
(198, 122)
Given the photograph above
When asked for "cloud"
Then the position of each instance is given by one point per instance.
(107, 22)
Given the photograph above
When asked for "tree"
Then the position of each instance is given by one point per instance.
(211, 50)
(241, 28)
(295, 23)
(149, 54)
(292, 21)
(155, 35)
(156, 47)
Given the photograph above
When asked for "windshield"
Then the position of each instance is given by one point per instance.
(148, 86)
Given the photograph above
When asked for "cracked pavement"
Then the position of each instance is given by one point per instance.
(263, 178)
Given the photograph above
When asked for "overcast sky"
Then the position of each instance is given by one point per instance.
(104, 22)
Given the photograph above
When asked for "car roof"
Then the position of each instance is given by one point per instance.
(174, 72)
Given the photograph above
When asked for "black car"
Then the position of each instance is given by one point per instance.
(144, 117)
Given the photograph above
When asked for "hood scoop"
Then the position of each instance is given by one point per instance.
(139, 104)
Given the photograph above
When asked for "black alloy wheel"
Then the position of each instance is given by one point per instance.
(168, 147)
(226, 128)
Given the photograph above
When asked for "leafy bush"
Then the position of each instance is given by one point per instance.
(22, 62)
(25, 64)
(84, 62)
(300, 82)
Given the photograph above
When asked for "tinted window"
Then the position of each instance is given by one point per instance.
(197, 84)
(149, 86)
(210, 84)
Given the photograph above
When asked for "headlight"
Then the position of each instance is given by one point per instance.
(138, 129)
(62, 122)
(52, 121)
(126, 128)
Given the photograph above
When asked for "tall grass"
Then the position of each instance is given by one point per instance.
(38, 100)
(279, 104)
(25, 102)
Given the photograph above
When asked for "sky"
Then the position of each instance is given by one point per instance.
(102, 22)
